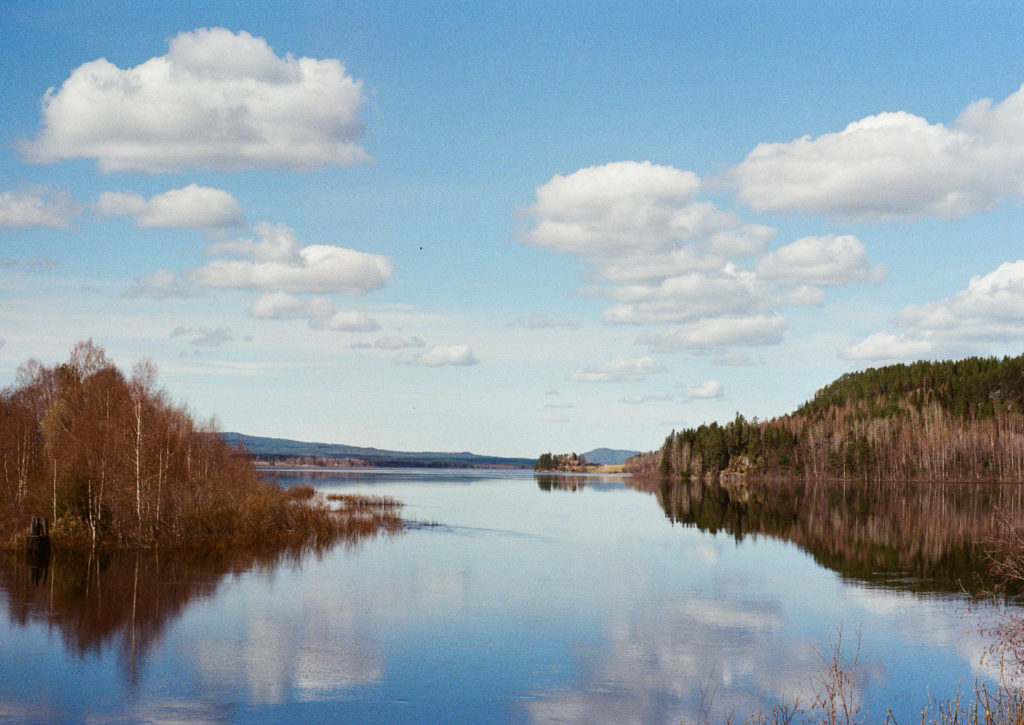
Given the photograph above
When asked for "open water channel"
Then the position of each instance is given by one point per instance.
(522, 598)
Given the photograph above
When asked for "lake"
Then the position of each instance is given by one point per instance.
(516, 597)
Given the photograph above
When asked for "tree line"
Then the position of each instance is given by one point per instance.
(110, 460)
(560, 462)
(947, 420)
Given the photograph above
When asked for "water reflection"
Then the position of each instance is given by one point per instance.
(124, 600)
(900, 535)
(548, 598)
(576, 482)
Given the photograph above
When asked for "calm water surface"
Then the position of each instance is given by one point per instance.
(524, 598)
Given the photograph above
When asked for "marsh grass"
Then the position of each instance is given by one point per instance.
(358, 501)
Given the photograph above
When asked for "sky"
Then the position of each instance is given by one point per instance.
(508, 228)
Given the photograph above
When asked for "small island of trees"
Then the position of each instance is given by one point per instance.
(112, 462)
(560, 462)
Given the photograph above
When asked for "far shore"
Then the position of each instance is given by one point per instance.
(280, 466)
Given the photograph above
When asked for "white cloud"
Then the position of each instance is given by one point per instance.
(892, 165)
(349, 321)
(319, 312)
(753, 330)
(829, 260)
(277, 263)
(162, 284)
(621, 206)
(22, 209)
(990, 307)
(707, 389)
(276, 243)
(687, 297)
(884, 346)
(279, 306)
(190, 207)
(802, 296)
(664, 257)
(216, 100)
(439, 355)
(990, 310)
(617, 371)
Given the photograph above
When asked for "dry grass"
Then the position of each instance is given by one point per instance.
(357, 501)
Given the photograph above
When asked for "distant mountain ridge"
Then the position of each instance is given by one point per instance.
(278, 449)
(609, 456)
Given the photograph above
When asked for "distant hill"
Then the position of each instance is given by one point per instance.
(609, 456)
(280, 450)
(950, 420)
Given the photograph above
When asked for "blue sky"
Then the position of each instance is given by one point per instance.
(509, 227)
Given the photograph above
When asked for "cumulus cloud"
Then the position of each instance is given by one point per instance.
(55, 210)
(752, 330)
(162, 284)
(279, 306)
(621, 205)
(617, 371)
(216, 100)
(802, 296)
(892, 165)
(707, 389)
(276, 263)
(348, 321)
(664, 257)
(884, 346)
(440, 355)
(828, 261)
(193, 206)
(990, 310)
(686, 297)
(319, 312)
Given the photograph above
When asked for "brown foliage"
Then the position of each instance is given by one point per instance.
(111, 461)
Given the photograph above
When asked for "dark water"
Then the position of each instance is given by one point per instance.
(520, 598)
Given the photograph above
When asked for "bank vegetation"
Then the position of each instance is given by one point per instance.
(111, 461)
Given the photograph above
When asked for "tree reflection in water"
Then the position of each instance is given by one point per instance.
(125, 599)
(925, 537)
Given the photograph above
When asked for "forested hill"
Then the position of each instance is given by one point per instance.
(948, 420)
(971, 388)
